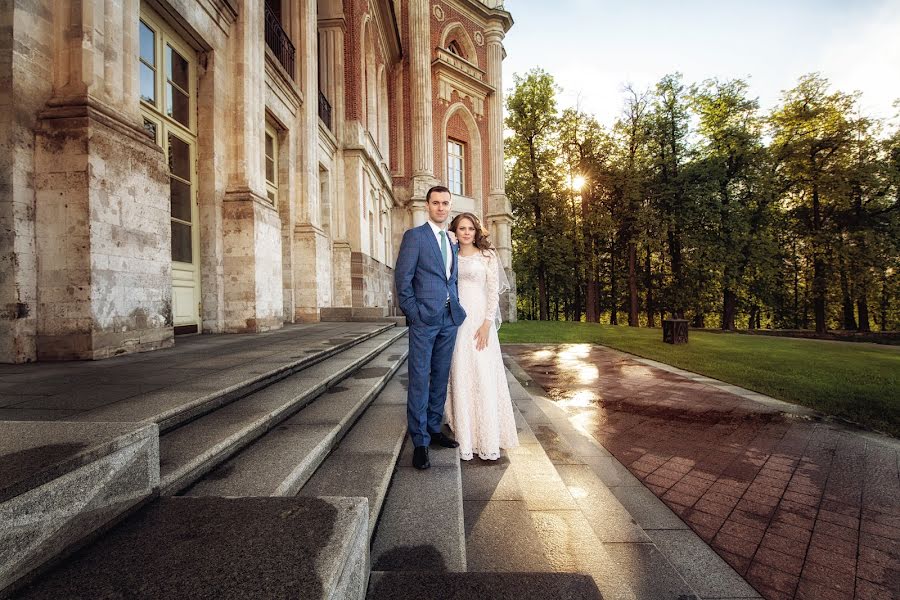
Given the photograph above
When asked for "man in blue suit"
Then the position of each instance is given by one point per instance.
(425, 277)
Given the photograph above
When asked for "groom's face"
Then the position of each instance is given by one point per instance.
(439, 206)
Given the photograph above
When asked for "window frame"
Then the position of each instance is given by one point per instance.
(453, 160)
(272, 185)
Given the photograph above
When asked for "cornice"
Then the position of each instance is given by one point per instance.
(477, 9)
(387, 24)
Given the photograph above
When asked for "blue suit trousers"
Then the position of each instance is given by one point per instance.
(430, 351)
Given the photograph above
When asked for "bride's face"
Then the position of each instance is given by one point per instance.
(465, 232)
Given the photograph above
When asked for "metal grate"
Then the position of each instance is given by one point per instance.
(325, 110)
(279, 42)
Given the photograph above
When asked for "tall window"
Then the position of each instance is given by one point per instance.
(455, 166)
(271, 150)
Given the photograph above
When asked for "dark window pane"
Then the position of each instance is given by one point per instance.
(177, 68)
(177, 105)
(271, 195)
(270, 170)
(148, 84)
(181, 242)
(181, 199)
(270, 145)
(179, 158)
(148, 44)
(150, 128)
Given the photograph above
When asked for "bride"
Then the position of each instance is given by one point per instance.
(479, 409)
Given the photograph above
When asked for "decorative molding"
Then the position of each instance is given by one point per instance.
(456, 28)
(438, 12)
(456, 75)
(479, 38)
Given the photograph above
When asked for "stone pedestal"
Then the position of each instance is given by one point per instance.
(103, 242)
(252, 236)
(313, 272)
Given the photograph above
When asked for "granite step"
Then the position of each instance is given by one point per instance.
(218, 548)
(221, 378)
(280, 462)
(198, 446)
(363, 463)
(421, 523)
(61, 484)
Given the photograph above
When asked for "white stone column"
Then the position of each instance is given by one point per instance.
(101, 200)
(421, 97)
(331, 77)
(499, 211)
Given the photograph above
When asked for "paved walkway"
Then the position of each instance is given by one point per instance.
(800, 507)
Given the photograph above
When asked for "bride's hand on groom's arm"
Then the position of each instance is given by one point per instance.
(481, 336)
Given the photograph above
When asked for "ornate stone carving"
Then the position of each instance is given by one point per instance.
(438, 12)
(479, 38)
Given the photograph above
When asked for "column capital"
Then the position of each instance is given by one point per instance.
(494, 34)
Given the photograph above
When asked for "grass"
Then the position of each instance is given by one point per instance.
(857, 382)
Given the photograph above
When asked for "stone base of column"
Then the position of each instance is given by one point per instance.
(312, 273)
(342, 280)
(252, 264)
(102, 235)
(372, 283)
(508, 301)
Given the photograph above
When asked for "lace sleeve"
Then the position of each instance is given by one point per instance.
(492, 287)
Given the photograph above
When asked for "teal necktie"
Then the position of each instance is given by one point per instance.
(444, 249)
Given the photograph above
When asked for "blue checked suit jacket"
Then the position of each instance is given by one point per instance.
(420, 277)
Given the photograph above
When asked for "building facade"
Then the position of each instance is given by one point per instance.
(206, 166)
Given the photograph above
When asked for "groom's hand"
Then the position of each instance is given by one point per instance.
(481, 336)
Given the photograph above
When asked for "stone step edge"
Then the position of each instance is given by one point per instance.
(170, 419)
(189, 473)
(302, 472)
(346, 425)
(382, 491)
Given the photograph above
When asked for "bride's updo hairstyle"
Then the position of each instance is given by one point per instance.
(481, 235)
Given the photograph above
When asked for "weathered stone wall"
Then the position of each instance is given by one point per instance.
(25, 85)
(102, 237)
(373, 282)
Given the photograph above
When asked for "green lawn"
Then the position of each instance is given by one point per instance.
(859, 382)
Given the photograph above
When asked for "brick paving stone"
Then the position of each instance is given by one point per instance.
(809, 590)
(776, 497)
(779, 560)
(760, 574)
(828, 577)
(866, 590)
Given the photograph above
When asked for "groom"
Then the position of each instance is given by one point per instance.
(425, 277)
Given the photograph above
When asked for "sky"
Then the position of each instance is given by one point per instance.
(594, 47)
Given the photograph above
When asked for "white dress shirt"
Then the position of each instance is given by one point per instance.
(437, 229)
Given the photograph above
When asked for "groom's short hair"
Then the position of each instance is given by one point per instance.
(437, 188)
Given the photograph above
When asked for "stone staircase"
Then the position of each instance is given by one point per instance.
(215, 483)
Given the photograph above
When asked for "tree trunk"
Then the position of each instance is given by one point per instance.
(885, 294)
(649, 284)
(849, 320)
(633, 308)
(729, 307)
(796, 287)
(820, 286)
(862, 305)
(754, 316)
(677, 273)
(613, 286)
(699, 321)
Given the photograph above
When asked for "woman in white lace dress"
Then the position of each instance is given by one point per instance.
(479, 408)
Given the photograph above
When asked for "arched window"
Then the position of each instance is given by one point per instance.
(455, 48)
(455, 166)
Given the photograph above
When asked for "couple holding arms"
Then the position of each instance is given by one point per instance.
(448, 282)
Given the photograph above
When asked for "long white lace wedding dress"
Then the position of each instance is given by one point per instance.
(479, 408)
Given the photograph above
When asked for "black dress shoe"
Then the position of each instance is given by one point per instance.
(444, 441)
(420, 457)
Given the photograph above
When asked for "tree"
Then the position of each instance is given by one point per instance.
(812, 133)
(532, 117)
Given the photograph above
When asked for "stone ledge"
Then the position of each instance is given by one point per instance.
(64, 484)
(236, 548)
